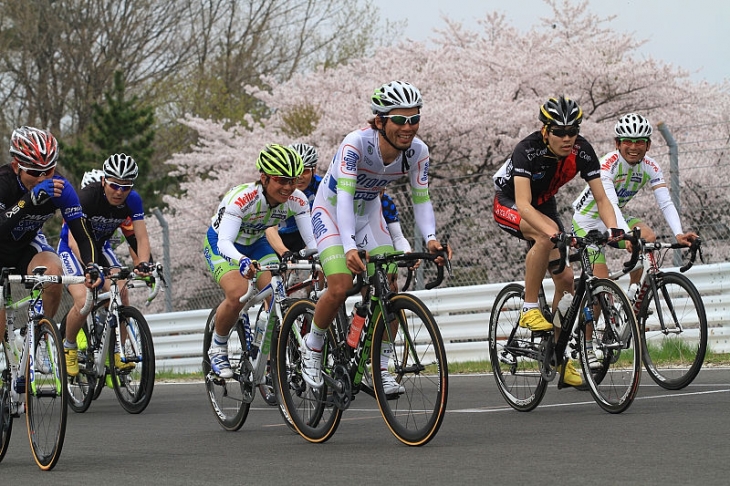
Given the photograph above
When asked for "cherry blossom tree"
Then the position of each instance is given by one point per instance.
(482, 91)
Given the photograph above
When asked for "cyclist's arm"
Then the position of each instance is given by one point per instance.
(143, 242)
(272, 236)
(664, 200)
(400, 242)
(523, 201)
(610, 190)
(304, 223)
(605, 208)
(228, 230)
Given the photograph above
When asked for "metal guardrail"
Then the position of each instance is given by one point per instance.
(461, 312)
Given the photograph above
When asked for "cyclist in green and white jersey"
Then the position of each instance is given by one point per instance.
(624, 172)
(235, 243)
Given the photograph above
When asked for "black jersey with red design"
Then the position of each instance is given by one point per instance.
(547, 172)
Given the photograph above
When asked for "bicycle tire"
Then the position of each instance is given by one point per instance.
(420, 367)
(226, 396)
(81, 388)
(615, 386)
(512, 351)
(6, 418)
(133, 387)
(313, 416)
(672, 360)
(46, 395)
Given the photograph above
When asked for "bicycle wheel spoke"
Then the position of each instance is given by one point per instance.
(674, 326)
(226, 397)
(46, 396)
(414, 411)
(513, 351)
(616, 344)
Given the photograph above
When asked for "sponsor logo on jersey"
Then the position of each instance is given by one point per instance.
(299, 200)
(246, 198)
(318, 226)
(350, 160)
(636, 177)
(610, 161)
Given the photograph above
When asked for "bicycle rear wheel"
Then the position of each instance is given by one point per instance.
(513, 352)
(226, 396)
(81, 387)
(673, 352)
(311, 411)
(6, 418)
(420, 367)
(46, 395)
(616, 344)
(133, 387)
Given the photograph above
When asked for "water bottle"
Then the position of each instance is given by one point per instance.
(563, 305)
(260, 329)
(356, 324)
(633, 290)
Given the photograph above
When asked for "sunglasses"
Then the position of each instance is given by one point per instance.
(120, 187)
(565, 131)
(35, 172)
(402, 120)
(635, 141)
(286, 181)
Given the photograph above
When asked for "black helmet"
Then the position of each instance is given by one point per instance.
(560, 111)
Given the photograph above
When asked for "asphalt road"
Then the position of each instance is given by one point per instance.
(667, 438)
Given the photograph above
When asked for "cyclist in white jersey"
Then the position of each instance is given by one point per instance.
(347, 210)
(624, 172)
(235, 243)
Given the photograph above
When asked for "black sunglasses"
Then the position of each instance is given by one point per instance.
(565, 131)
(402, 120)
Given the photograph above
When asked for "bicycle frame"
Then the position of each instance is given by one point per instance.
(274, 294)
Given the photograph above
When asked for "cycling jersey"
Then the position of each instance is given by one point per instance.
(244, 214)
(103, 220)
(289, 225)
(547, 172)
(21, 221)
(347, 211)
(622, 181)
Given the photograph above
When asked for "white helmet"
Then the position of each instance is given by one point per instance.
(307, 152)
(396, 94)
(633, 126)
(121, 166)
(91, 176)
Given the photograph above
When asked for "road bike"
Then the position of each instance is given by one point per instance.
(110, 329)
(33, 368)
(248, 349)
(671, 315)
(524, 362)
(420, 367)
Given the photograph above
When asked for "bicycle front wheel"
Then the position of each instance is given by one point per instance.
(311, 411)
(46, 395)
(226, 396)
(133, 384)
(513, 352)
(419, 366)
(6, 418)
(674, 326)
(616, 344)
(81, 387)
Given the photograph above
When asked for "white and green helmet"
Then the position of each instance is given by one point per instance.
(396, 94)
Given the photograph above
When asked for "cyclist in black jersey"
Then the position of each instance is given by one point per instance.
(30, 193)
(107, 204)
(525, 205)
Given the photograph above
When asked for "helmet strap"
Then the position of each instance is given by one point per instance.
(405, 166)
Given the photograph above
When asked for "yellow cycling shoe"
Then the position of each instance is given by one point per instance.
(535, 321)
(571, 377)
(120, 365)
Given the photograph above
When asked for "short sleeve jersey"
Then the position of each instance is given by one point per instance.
(547, 172)
(20, 219)
(104, 218)
(247, 203)
(627, 179)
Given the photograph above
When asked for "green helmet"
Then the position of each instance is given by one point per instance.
(278, 160)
